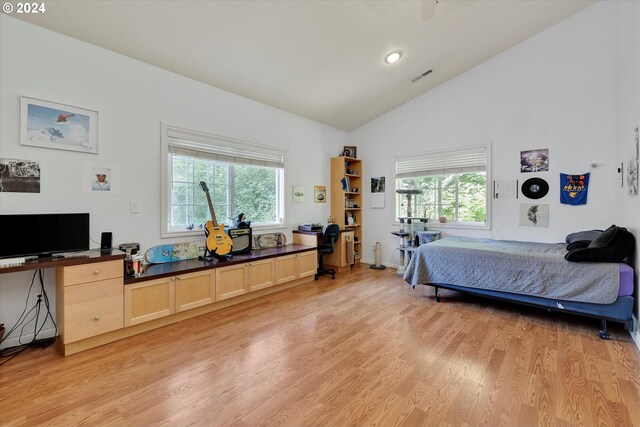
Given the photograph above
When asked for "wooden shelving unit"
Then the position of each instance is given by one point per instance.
(345, 203)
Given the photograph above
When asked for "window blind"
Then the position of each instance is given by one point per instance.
(470, 159)
(213, 147)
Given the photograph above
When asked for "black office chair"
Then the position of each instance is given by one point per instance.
(329, 239)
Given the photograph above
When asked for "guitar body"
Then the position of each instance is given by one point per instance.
(218, 242)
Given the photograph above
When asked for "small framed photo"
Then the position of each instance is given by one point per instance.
(50, 125)
(298, 194)
(350, 152)
(320, 194)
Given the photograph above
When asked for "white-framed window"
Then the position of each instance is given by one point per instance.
(452, 183)
(241, 177)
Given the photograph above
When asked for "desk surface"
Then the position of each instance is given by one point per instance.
(73, 258)
(318, 233)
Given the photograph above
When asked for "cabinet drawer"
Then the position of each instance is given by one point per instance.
(307, 264)
(230, 282)
(149, 300)
(194, 290)
(92, 272)
(92, 309)
(261, 274)
(286, 269)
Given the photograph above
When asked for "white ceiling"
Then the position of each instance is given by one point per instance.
(319, 59)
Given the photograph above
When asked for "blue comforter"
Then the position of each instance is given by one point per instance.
(528, 268)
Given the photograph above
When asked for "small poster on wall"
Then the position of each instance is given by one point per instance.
(377, 192)
(19, 176)
(377, 184)
(534, 215)
(574, 189)
(100, 179)
(298, 194)
(534, 160)
(320, 194)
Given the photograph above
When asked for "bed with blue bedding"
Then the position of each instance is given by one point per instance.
(530, 273)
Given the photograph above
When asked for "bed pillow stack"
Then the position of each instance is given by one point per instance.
(581, 239)
(611, 245)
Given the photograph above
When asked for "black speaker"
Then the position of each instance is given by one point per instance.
(241, 238)
(105, 242)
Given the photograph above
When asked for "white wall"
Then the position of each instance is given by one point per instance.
(132, 99)
(628, 116)
(555, 90)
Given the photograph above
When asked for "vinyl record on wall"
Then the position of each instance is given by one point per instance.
(535, 188)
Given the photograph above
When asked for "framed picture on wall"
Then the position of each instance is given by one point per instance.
(298, 194)
(19, 176)
(64, 127)
(319, 194)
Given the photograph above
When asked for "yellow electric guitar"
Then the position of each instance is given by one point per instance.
(218, 242)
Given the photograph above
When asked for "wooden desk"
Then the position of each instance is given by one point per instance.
(338, 259)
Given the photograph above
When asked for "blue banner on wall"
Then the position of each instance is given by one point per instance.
(574, 189)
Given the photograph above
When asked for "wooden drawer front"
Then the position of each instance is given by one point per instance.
(194, 290)
(286, 269)
(307, 264)
(92, 309)
(92, 272)
(148, 300)
(230, 282)
(261, 274)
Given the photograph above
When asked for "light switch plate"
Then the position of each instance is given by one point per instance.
(134, 207)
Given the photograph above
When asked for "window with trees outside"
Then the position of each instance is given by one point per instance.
(241, 178)
(450, 183)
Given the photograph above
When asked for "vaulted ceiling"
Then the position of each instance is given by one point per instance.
(323, 60)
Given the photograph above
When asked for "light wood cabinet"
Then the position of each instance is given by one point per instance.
(341, 256)
(90, 300)
(231, 281)
(95, 306)
(154, 299)
(286, 269)
(347, 203)
(195, 289)
(307, 264)
(149, 300)
(261, 274)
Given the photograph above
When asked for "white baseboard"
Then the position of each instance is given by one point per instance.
(27, 337)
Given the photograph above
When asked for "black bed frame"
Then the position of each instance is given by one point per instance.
(620, 311)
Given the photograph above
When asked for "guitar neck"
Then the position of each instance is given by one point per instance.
(213, 213)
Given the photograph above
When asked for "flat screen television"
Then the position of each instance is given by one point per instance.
(43, 234)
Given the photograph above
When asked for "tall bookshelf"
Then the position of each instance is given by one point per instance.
(347, 202)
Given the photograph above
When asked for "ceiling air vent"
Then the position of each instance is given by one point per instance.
(419, 76)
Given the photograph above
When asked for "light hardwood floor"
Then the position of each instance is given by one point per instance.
(364, 349)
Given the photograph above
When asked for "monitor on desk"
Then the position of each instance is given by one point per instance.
(43, 235)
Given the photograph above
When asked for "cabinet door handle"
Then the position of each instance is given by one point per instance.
(179, 278)
(96, 318)
(96, 272)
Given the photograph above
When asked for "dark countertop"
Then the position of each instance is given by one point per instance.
(157, 271)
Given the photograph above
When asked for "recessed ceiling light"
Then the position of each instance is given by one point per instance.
(393, 57)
